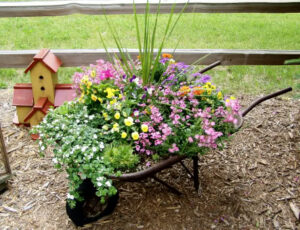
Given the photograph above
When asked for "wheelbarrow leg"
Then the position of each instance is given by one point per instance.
(196, 172)
(172, 189)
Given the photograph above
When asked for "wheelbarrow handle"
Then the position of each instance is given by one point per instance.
(260, 100)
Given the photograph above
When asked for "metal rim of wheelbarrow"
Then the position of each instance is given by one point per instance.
(167, 163)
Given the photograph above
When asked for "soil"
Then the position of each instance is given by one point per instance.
(251, 184)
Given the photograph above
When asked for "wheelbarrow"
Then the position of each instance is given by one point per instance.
(91, 210)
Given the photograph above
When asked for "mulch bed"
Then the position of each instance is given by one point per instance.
(248, 185)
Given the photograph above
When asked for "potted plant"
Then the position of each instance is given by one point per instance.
(130, 114)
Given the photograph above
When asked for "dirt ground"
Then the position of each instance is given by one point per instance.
(251, 184)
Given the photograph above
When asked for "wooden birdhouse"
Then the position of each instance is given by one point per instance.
(34, 100)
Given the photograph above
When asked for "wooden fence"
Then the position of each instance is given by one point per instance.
(79, 57)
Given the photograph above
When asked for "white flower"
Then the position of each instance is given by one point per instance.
(99, 184)
(91, 117)
(63, 126)
(84, 148)
(77, 120)
(95, 136)
(136, 113)
(40, 143)
(54, 160)
(150, 90)
(107, 183)
(42, 148)
(100, 178)
(69, 196)
(101, 145)
(136, 81)
(94, 149)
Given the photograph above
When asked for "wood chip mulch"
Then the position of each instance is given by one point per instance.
(254, 183)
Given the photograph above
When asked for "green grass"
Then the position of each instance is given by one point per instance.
(212, 31)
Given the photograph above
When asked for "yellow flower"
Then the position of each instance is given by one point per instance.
(124, 135)
(120, 96)
(93, 74)
(110, 92)
(94, 98)
(220, 95)
(113, 101)
(100, 99)
(89, 83)
(115, 127)
(135, 136)
(105, 127)
(117, 115)
(172, 61)
(209, 91)
(128, 121)
(124, 114)
(144, 128)
(232, 98)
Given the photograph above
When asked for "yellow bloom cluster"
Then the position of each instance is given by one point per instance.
(209, 87)
(128, 121)
(110, 92)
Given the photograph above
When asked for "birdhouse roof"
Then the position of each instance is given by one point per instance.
(64, 92)
(47, 58)
(43, 105)
(23, 95)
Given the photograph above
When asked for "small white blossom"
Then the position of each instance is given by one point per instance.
(69, 196)
(95, 136)
(42, 148)
(99, 184)
(101, 145)
(54, 160)
(40, 143)
(94, 149)
(84, 148)
(136, 81)
(100, 178)
(150, 90)
(91, 117)
(107, 183)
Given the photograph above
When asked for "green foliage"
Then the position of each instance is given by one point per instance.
(120, 156)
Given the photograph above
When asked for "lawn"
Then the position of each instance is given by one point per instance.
(229, 31)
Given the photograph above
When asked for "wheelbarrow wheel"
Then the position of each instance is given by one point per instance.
(90, 209)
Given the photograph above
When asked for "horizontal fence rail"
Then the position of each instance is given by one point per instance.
(58, 8)
(84, 57)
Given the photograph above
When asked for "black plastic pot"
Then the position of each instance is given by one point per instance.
(90, 209)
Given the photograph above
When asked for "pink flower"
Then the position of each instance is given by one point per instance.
(190, 139)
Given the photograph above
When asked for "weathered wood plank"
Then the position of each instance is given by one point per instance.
(57, 8)
(83, 57)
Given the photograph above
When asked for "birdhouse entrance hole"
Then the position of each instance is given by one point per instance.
(41, 77)
(42, 88)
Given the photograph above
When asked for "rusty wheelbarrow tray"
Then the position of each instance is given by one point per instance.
(169, 162)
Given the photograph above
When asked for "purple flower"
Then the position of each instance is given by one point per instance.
(132, 78)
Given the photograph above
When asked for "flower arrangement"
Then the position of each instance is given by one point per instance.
(133, 113)
(119, 123)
